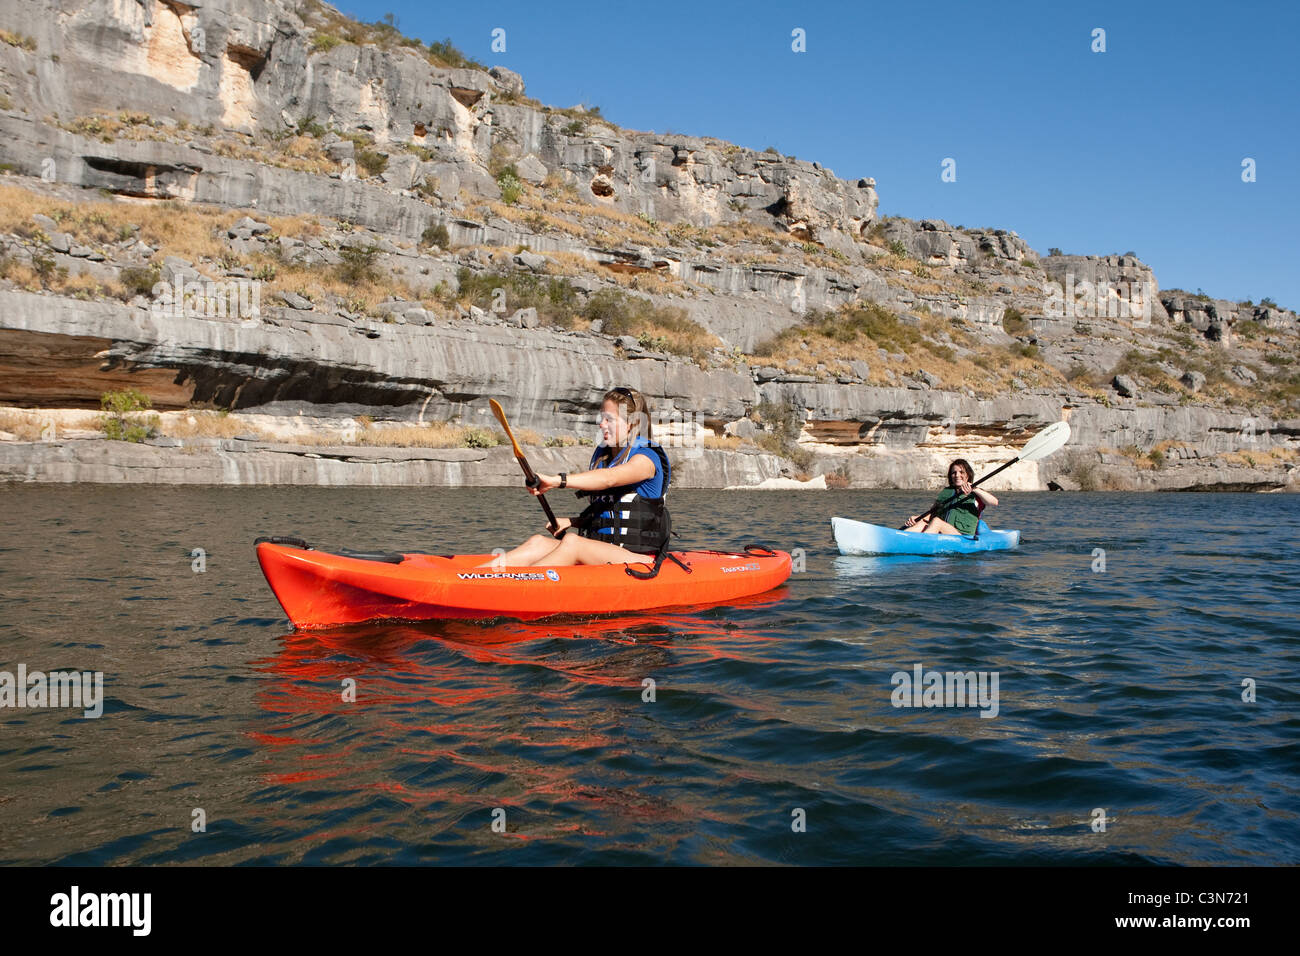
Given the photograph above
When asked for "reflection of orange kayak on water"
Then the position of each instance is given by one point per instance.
(319, 589)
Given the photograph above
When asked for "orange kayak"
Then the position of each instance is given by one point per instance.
(319, 589)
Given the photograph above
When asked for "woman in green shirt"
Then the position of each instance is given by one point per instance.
(962, 518)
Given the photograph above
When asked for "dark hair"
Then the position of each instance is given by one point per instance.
(970, 472)
(635, 411)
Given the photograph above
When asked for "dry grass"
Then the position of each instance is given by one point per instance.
(724, 442)
(651, 283)
(861, 330)
(194, 233)
(20, 40)
(568, 264)
(1266, 457)
(23, 424)
(301, 153)
(42, 274)
(432, 435)
(207, 424)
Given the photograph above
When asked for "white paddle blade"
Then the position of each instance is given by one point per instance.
(1050, 439)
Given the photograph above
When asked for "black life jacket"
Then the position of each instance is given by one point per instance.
(621, 516)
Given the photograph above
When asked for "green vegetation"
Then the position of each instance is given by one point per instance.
(1248, 329)
(1014, 322)
(660, 328)
(122, 420)
(436, 236)
(358, 265)
(324, 42)
(333, 28)
(784, 422)
(1082, 466)
(140, 280)
(555, 299)
(370, 160)
(849, 326)
(511, 185)
(475, 437)
(309, 126)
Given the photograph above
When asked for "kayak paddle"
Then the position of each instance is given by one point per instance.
(530, 479)
(1049, 440)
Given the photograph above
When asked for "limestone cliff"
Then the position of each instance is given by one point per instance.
(262, 206)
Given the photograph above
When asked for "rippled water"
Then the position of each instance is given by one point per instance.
(1120, 691)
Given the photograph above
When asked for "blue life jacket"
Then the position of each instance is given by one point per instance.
(630, 516)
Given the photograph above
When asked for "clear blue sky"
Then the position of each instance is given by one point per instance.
(1138, 148)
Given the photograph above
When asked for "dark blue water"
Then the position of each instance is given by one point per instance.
(1119, 692)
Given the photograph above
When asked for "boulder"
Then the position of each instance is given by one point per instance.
(531, 170)
(530, 260)
(1193, 381)
(295, 301)
(507, 80)
(741, 428)
(341, 151)
(1125, 386)
(246, 228)
(1243, 374)
(525, 318)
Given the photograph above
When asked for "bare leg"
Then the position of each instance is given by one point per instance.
(526, 554)
(575, 549)
(939, 526)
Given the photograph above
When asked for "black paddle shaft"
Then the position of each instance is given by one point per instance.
(532, 481)
(949, 505)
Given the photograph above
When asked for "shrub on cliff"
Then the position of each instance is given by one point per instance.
(140, 280)
(358, 265)
(436, 236)
(849, 326)
(372, 161)
(670, 328)
(555, 299)
(122, 420)
(480, 438)
(512, 187)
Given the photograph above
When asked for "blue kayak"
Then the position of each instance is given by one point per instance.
(858, 537)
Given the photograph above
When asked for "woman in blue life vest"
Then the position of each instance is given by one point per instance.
(961, 517)
(626, 520)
